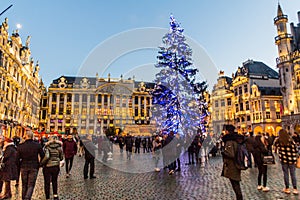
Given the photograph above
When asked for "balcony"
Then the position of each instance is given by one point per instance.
(283, 36)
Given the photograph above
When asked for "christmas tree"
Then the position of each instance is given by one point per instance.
(178, 96)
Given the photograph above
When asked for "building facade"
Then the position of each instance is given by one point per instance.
(250, 100)
(221, 106)
(19, 83)
(92, 104)
(288, 63)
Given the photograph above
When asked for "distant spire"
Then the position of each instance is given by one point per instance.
(279, 10)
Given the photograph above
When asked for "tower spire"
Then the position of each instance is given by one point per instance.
(279, 10)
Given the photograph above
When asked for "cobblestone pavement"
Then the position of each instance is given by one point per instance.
(193, 182)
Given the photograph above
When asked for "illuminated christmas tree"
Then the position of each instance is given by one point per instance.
(178, 96)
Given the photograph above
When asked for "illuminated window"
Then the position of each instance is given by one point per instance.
(278, 115)
(268, 115)
(229, 101)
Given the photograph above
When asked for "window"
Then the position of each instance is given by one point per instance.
(222, 102)
(236, 107)
(92, 98)
(84, 98)
(240, 90)
(76, 98)
(69, 97)
(247, 105)
(216, 103)
(278, 115)
(235, 92)
(268, 115)
(245, 89)
(53, 97)
(242, 106)
(99, 98)
(229, 101)
(248, 118)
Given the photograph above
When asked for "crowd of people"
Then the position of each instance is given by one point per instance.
(22, 158)
(259, 146)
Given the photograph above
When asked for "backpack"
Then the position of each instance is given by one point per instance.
(242, 157)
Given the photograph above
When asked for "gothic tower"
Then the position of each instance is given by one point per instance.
(283, 41)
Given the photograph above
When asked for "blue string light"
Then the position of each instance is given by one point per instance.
(178, 100)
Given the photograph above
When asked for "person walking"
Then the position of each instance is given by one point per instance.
(250, 141)
(129, 145)
(137, 144)
(29, 155)
(287, 152)
(51, 165)
(230, 169)
(70, 150)
(10, 171)
(259, 150)
(156, 151)
(89, 156)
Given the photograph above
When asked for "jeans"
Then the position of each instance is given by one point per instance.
(28, 176)
(50, 175)
(286, 168)
(262, 171)
(88, 162)
(69, 167)
(237, 189)
(156, 158)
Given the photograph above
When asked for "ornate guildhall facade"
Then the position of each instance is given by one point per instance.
(250, 100)
(92, 104)
(19, 84)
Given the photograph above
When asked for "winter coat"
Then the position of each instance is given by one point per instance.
(259, 151)
(128, 142)
(69, 148)
(53, 154)
(10, 171)
(28, 153)
(89, 149)
(287, 154)
(250, 142)
(229, 157)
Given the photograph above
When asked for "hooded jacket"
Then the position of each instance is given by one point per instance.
(53, 154)
(229, 155)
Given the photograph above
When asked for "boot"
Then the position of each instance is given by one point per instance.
(7, 192)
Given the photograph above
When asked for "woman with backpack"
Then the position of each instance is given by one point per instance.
(259, 150)
(287, 152)
(230, 168)
(51, 165)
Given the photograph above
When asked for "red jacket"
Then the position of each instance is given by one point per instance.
(69, 148)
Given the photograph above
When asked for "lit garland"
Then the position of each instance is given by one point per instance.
(178, 100)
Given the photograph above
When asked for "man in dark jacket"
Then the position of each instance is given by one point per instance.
(89, 155)
(129, 145)
(29, 155)
(250, 142)
(230, 169)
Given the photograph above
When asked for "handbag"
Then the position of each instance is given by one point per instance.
(269, 159)
(2, 164)
(298, 162)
